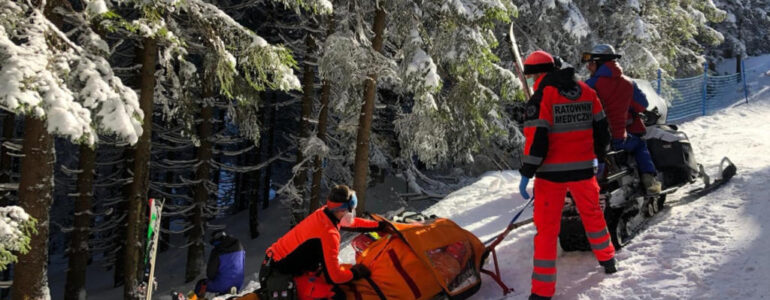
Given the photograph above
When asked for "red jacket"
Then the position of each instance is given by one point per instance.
(314, 241)
(615, 92)
(565, 129)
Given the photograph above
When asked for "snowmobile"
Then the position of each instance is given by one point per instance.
(626, 205)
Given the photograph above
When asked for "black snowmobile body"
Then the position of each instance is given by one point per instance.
(623, 198)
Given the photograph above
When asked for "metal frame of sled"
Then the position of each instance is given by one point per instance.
(496, 240)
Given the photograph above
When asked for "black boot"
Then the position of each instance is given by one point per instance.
(609, 266)
(538, 297)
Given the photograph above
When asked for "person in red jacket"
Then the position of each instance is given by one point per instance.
(565, 130)
(313, 245)
(623, 101)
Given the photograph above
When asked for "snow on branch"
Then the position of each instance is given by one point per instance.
(9, 187)
(46, 75)
(160, 191)
(245, 169)
(233, 153)
(16, 227)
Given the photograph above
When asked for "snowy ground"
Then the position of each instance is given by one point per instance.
(713, 248)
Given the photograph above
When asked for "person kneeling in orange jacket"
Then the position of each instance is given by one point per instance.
(313, 247)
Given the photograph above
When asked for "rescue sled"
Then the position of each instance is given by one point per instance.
(427, 258)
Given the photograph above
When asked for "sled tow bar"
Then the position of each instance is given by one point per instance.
(493, 242)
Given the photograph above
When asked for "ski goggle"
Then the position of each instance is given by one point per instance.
(349, 205)
(586, 57)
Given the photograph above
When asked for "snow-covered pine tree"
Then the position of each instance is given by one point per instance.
(745, 28)
(435, 54)
(459, 88)
(63, 86)
(651, 34)
(241, 62)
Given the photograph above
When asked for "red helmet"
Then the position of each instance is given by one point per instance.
(538, 62)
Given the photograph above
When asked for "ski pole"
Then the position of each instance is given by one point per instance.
(499, 238)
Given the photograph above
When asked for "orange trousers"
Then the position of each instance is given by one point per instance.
(549, 202)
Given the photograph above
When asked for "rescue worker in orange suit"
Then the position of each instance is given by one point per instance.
(623, 101)
(565, 130)
(312, 246)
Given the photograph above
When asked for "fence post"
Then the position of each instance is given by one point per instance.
(659, 81)
(745, 87)
(705, 83)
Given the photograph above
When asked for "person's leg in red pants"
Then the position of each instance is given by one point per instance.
(586, 196)
(547, 218)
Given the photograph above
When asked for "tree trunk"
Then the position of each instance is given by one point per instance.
(200, 192)
(137, 197)
(326, 88)
(315, 200)
(308, 91)
(30, 275)
(79, 253)
(6, 169)
(254, 183)
(9, 126)
(165, 223)
(35, 188)
(120, 262)
(361, 168)
(270, 152)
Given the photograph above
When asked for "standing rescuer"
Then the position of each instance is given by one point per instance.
(313, 246)
(565, 130)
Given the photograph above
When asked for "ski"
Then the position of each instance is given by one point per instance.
(517, 64)
(153, 234)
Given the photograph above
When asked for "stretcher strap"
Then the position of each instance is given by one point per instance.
(356, 293)
(376, 288)
(409, 281)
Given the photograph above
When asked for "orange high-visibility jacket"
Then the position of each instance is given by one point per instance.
(565, 129)
(314, 243)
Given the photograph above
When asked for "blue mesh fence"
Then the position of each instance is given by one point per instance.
(700, 95)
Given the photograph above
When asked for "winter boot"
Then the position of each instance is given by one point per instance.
(609, 266)
(652, 185)
(538, 297)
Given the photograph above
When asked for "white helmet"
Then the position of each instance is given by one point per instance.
(600, 52)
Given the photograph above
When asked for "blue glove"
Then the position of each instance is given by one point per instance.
(523, 187)
(600, 170)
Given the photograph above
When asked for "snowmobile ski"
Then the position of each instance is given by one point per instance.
(726, 170)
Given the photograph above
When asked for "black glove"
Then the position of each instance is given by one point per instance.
(360, 271)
